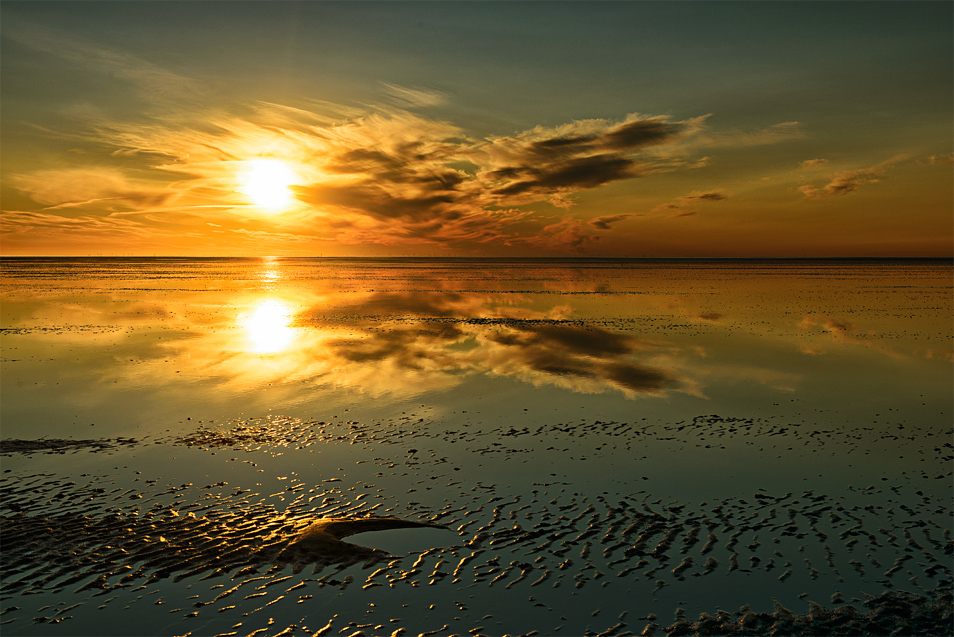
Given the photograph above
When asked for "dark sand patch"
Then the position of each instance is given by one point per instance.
(891, 613)
(60, 445)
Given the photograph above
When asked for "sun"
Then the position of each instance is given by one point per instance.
(266, 183)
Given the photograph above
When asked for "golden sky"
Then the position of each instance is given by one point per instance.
(477, 129)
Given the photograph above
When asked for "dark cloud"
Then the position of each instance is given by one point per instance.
(606, 222)
(583, 155)
(707, 196)
(575, 174)
(630, 135)
(562, 146)
(638, 133)
(371, 198)
(636, 378)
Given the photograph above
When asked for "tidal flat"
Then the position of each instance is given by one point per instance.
(282, 446)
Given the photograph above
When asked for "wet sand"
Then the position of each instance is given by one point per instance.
(99, 542)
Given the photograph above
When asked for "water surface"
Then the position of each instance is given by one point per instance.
(605, 439)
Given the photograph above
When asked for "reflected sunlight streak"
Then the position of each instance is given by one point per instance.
(271, 270)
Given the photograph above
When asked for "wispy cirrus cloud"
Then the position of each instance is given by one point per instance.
(150, 82)
(406, 97)
(677, 207)
(773, 134)
(80, 234)
(813, 164)
(104, 188)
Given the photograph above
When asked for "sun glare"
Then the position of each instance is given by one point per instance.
(267, 327)
(266, 183)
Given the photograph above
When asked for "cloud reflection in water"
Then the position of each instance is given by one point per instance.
(435, 336)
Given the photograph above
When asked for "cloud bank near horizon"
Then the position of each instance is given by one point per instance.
(387, 177)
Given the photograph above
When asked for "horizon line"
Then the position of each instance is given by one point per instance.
(492, 258)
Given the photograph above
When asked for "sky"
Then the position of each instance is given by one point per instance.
(499, 129)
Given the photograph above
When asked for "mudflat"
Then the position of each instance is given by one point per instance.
(321, 446)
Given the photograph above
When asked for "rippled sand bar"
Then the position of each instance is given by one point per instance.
(554, 447)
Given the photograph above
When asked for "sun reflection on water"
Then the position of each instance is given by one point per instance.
(271, 270)
(268, 327)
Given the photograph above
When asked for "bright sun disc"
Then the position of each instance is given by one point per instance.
(267, 181)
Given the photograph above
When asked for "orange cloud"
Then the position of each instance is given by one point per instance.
(945, 159)
(849, 181)
(843, 183)
(101, 188)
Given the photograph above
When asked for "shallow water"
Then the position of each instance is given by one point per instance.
(607, 441)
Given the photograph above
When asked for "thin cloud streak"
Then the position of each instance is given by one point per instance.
(678, 205)
(406, 97)
(773, 134)
(152, 83)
